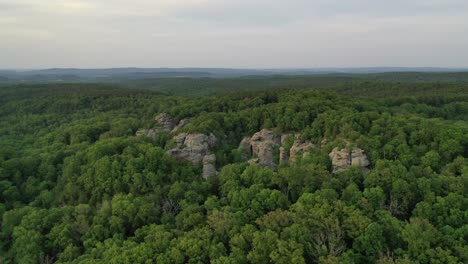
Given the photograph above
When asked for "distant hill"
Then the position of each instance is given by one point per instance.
(148, 75)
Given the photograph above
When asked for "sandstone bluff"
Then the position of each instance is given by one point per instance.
(260, 148)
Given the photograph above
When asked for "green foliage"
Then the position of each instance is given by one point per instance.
(76, 185)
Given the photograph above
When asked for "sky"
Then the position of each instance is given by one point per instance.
(233, 33)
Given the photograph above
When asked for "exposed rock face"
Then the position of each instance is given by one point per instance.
(300, 147)
(209, 168)
(180, 139)
(263, 144)
(192, 147)
(181, 124)
(261, 147)
(358, 158)
(165, 122)
(343, 159)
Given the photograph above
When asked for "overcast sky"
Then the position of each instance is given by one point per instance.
(233, 33)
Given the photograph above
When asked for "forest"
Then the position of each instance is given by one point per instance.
(88, 175)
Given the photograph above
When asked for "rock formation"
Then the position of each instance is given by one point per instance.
(165, 122)
(263, 144)
(358, 158)
(209, 168)
(192, 147)
(181, 124)
(300, 147)
(343, 159)
(195, 148)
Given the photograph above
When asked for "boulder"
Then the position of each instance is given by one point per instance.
(165, 122)
(343, 159)
(209, 168)
(340, 159)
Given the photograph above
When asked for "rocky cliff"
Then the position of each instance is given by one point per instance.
(261, 147)
(343, 159)
(195, 148)
(300, 147)
(209, 167)
(164, 123)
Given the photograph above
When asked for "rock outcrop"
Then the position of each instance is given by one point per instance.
(192, 147)
(181, 124)
(260, 148)
(343, 159)
(195, 148)
(165, 122)
(300, 147)
(209, 167)
(263, 145)
(358, 158)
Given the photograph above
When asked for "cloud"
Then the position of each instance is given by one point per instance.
(240, 33)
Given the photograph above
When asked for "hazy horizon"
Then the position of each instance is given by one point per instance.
(241, 34)
(382, 68)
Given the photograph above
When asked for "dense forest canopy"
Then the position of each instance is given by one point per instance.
(78, 186)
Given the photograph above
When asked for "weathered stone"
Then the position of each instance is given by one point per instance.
(358, 158)
(300, 147)
(165, 122)
(209, 168)
(340, 159)
(254, 161)
(343, 159)
(192, 147)
(181, 124)
(263, 144)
